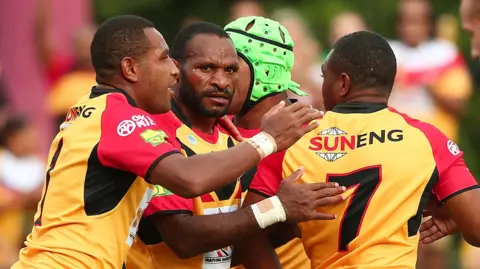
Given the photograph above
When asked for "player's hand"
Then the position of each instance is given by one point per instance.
(437, 227)
(301, 201)
(287, 124)
(232, 130)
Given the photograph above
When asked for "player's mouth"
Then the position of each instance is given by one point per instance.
(221, 100)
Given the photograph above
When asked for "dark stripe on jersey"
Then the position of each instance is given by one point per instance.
(457, 193)
(259, 193)
(178, 112)
(224, 193)
(349, 108)
(415, 221)
(104, 187)
(98, 91)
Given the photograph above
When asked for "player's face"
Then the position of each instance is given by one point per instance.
(158, 73)
(209, 75)
(471, 24)
(243, 86)
(335, 86)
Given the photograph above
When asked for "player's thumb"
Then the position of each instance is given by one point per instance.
(295, 175)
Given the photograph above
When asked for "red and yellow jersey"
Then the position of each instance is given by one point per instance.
(391, 165)
(94, 193)
(292, 254)
(149, 250)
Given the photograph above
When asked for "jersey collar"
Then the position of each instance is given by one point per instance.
(349, 108)
(99, 91)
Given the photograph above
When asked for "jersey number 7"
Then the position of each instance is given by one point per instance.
(365, 181)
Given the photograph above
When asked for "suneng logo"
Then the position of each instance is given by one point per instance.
(332, 144)
(75, 113)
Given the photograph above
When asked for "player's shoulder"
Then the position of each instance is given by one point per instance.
(432, 133)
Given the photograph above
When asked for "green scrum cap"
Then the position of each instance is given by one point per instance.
(267, 47)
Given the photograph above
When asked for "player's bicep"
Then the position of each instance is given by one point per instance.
(131, 140)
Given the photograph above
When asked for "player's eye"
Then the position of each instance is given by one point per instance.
(231, 70)
(206, 68)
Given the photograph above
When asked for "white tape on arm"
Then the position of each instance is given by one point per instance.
(269, 211)
(263, 143)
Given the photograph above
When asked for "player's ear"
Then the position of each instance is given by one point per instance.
(129, 69)
(345, 84)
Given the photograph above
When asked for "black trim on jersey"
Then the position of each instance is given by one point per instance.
(349, 108)
(150, 168)
(99, 91)
(415, 221)
(457, 193)
(258, 38)
(148, 233)
(259, 193)
(223, 193)
(178, 112)
(104, 186)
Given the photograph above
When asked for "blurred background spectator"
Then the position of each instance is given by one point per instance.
(45, 66)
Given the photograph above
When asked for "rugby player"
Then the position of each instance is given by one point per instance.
(109, 150)
(264, 75)
(197, 233)
(391, 164)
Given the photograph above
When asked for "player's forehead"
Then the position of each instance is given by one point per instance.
(157, 42)
(211, 48)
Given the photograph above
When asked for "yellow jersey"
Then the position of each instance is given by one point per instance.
(391, 166)
(94, 192)
(149, 250)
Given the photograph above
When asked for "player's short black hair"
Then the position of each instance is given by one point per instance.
(116, 38)
(184, 36)
(367, 59)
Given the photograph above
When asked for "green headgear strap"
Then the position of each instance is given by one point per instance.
(267, 47)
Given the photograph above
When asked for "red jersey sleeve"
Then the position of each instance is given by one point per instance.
(130, 139)
(453, 175)
(269, 175)
(165, 202)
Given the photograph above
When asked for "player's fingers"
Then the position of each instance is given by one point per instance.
(328, 201)
(322, 216)
(329, 192)
(322, 185)
(232, 130)
(430, 239)
(295, 107)
(426, 225)
(311, 115)
(295, 175)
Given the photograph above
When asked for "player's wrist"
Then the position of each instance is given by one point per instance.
(264, 143)
(269, 212)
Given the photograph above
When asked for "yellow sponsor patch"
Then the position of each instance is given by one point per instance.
(154, 137)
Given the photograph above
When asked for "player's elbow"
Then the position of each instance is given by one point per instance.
(189, 185)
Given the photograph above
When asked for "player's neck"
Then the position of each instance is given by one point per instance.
(253, 118)
(199, 122)
(373, 97)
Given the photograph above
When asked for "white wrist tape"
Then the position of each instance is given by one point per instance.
(263, 143)
(269, 211)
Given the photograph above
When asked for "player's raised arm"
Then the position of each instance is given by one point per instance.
(194, 176)
(132, 141)
(217, 231)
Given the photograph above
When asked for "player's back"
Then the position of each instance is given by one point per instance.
(386, 162)
(87, 217)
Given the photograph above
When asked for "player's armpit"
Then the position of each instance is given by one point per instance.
(203, 173)
(463, 208)
(189, 236)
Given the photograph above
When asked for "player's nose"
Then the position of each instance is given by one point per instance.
(220, 80)
(174, 72)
